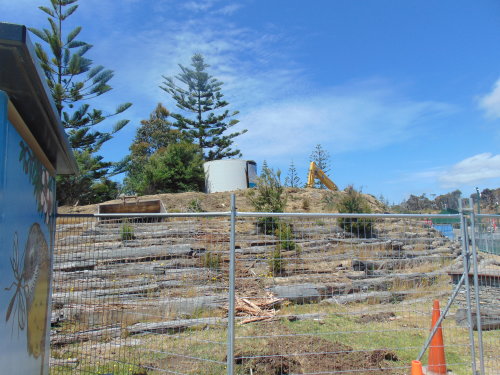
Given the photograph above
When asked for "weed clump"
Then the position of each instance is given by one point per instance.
(306, 204)
(194, 205)
(211, 260)
(329, 202)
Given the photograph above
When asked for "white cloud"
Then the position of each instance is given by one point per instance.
(352, 118)
(490, 102)
(237, 56)
(283, 113)
(229, 9)
(471, 171)
(199, 6)
(147, 49)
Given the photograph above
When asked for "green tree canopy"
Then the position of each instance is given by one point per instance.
(175, 169)
(90, 185)
(74, 81)
(154, 135)
(204, 118)
(447, 201)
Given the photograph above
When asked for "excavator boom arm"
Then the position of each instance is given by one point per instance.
(315, 172)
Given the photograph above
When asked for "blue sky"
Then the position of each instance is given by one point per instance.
(404, 95)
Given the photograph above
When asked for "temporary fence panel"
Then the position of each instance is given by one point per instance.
(139, 295)
(261, 293)
(337, 294)
(487, 239)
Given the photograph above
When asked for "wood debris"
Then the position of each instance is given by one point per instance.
(258, 309)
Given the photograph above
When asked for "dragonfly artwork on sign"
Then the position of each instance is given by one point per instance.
(28, 305)
(30, 262)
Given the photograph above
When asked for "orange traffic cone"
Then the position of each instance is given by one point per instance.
(437, 360)
(416, 368)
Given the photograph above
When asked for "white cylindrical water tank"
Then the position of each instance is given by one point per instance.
(229, 175)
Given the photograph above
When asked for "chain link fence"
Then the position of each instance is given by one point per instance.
(136, 295)
(349, 294)
(487, 239)
(261, 293)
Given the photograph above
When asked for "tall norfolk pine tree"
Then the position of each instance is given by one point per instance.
(72, 79)
(322, 159)
(205, 121)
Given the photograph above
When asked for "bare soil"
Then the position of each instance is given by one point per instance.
(286, 356)
(378, 317)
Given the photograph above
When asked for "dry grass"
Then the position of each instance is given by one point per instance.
(202, 349)
(316, 201)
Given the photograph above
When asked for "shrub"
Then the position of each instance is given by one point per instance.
(354, 202)
(127, 232)
(269, 196)
(268, 225)
(284, 233)
(174, 169)
(276, 262)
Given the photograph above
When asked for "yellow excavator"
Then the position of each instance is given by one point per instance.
(316, 172)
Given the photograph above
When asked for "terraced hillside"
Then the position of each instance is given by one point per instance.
(152, 297)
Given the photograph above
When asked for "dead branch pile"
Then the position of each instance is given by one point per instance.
(258, 310)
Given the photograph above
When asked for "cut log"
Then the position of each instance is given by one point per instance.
(131, 254)
(95, 334)
(256, 319)
(380, 297)
(173, 326)
(75, 266)
(307, 293)
(69, 362)
(394, 264)
(490, 319)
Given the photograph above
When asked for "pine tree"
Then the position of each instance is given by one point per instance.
(322, 159)
(264, 169)
(292, 179)
(205, 120)
(90, 185)
(73, 79)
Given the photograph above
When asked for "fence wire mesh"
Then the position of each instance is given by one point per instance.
(487, 239)
(140, 296)
(337, 295)
(314, 294)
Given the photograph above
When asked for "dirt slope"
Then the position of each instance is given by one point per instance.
(299, 200)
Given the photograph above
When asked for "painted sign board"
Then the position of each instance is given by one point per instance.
(26, 235)
(33, 148)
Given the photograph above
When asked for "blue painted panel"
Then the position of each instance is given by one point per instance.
(26, 239)
(445, 229)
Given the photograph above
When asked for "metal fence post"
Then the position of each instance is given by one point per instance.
(476, 287)
(466, 260)
(231, 312)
